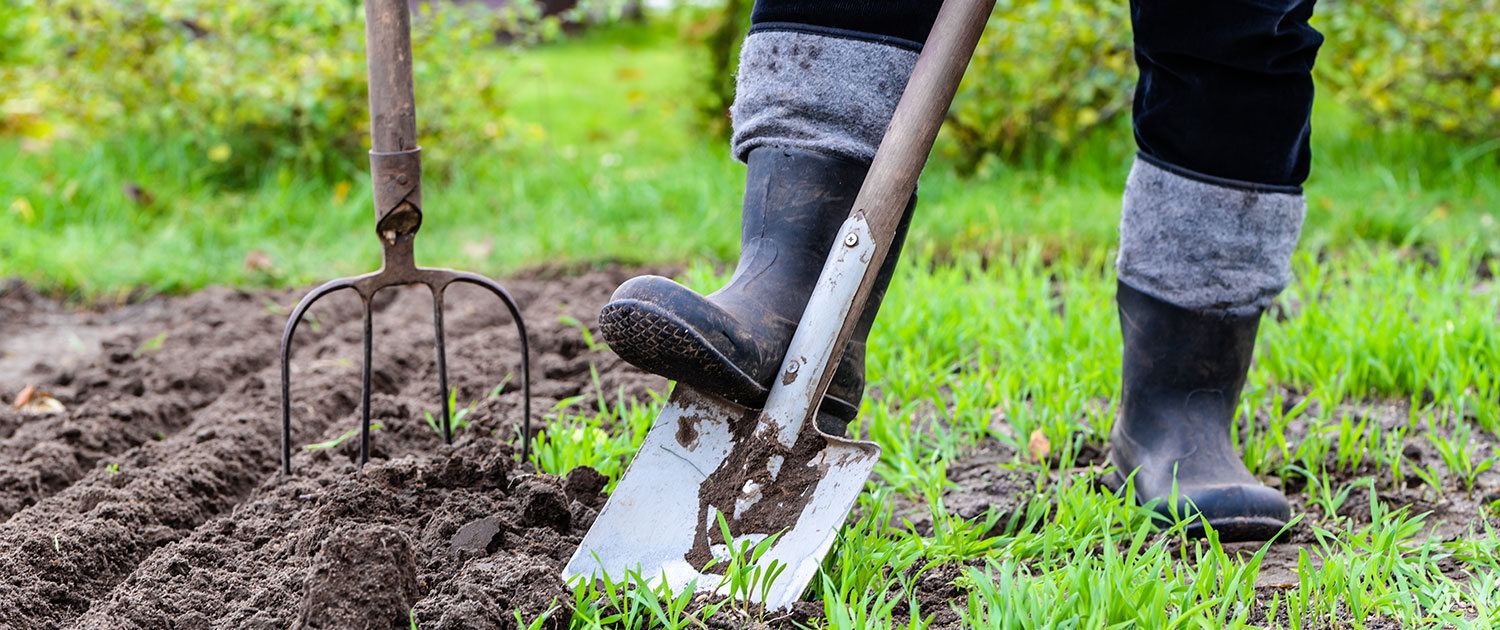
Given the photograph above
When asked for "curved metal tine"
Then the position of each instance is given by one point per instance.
(442, 362)
(515, 314)
(364, 382)
(286, 364)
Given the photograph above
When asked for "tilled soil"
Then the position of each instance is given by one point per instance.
(155, 499)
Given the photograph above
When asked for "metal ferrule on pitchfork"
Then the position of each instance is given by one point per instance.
(396, 176)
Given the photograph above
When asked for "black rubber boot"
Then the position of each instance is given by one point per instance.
(1183, 372)
(731, 342)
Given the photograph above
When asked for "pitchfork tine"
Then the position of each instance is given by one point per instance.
(442, 364)
(286, 363)
(364, 387)
(515, 315)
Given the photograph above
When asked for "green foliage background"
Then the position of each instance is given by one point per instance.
(1425, 62)
(248, 85)
(219, 77)
(1050, 72)
(1045, 75)
(207, 131)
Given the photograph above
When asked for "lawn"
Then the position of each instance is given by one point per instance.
(1374, 400)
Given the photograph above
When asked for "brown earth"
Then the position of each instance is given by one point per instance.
(155, 501)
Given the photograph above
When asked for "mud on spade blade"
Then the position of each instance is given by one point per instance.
(768, 472)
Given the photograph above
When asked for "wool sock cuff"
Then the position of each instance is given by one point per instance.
(1206, 244)
(816, 92)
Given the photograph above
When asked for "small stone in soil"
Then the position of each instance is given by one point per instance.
(481, 536)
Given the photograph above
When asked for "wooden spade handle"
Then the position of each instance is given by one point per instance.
(908, 141)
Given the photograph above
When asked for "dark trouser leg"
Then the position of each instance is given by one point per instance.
(1212, 211)
(1226, 87)
(904, 21)
(817, 85)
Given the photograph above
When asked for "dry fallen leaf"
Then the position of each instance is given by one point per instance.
(24, 397)
(43, 404)
(1039, 446)
(256, 260)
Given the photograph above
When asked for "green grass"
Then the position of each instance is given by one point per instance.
(999, 325)
(1036, 339)
(602, 162)
(605, 165)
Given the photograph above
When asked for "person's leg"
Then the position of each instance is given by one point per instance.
(1212, 211)
(817, 85)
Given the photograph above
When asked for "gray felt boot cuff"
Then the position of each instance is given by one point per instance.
(1206, 247)
(816, 92)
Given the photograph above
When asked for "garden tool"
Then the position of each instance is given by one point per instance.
(721, 495)
(396, 176)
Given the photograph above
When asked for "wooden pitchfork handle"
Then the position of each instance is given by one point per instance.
(395, 158)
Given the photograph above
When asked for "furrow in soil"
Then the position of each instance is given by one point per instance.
(158, 365)
(203, 515)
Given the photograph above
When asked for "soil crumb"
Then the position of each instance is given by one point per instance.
(362, 578)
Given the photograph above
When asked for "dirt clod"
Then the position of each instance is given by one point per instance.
(364, 578)
(481, 536)
(544, 504)
(586, 485)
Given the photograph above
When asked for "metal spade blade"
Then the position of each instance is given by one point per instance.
(763, 472)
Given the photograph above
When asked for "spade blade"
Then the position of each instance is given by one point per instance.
(768, 476)
(708, 461)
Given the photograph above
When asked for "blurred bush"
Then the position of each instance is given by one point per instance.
(1048, 73)
(275, 83)
(250, 85)
(1045, 74)
(717, 35)
(1426, 62)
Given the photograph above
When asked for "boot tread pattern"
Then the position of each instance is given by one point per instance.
(662, 344)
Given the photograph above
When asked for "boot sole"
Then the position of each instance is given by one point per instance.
(1231, 529)
(653, 339)
(1238, 529)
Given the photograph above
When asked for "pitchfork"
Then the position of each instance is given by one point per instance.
(396, 176)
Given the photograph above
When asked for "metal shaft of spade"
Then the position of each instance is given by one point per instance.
(396, 176)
